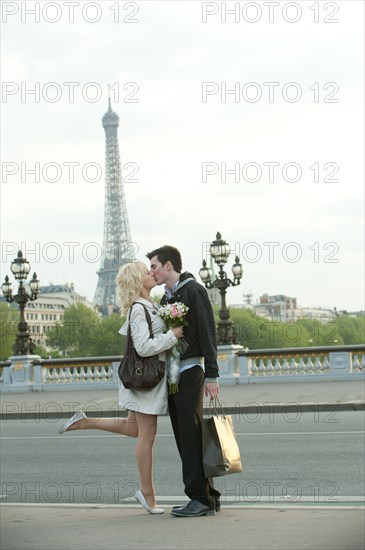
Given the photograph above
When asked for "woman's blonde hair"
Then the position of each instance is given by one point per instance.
(130, 283)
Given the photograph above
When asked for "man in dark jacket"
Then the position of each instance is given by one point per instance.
(198, 375)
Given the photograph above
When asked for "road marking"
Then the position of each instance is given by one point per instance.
(302, 433)
(238, 506)
(226, 499)
(14, 437)
(58, 437)
(267, 501)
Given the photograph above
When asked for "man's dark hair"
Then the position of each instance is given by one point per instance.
(167, 253)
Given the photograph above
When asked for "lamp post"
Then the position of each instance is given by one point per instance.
(220, 251)
(20, 268)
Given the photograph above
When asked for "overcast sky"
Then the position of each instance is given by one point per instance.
(291, 128)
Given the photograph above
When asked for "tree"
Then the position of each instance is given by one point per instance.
(351, 329)
(77, 334)
(321, 334)
(42, 352)
(9, 319)
(110, 342)
(256, 332)
(84, 334)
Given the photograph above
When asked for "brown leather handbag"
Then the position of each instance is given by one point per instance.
(136, 372)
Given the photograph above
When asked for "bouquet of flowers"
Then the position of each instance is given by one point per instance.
(174, 316)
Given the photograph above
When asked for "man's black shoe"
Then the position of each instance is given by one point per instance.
(217, 504)
(193, 509)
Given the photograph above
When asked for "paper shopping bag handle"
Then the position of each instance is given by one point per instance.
(216, 406)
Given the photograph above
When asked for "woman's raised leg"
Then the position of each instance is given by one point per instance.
(123, 426)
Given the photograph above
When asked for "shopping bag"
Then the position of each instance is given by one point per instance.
(221, 454)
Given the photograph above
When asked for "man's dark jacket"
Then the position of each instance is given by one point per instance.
(200, 332)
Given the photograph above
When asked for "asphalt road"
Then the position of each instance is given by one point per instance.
(314, 458)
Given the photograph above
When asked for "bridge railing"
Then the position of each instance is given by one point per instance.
(301, 364)
(31, 373)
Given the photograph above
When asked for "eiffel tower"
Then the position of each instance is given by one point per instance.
(117, 244)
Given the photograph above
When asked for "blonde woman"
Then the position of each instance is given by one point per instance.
(134, 284)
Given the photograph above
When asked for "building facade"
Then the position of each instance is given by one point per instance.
(49, 309)
(278, 307)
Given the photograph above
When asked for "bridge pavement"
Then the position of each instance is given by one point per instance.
(258, 527)
(67, 527)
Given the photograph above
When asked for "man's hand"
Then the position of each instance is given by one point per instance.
(212, 389)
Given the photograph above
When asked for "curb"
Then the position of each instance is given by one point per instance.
(255, 409)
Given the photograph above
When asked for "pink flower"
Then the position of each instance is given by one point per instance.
(174, 314)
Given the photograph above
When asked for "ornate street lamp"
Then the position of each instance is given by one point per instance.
(220, 251)
(20, 268)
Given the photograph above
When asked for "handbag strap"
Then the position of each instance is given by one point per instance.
(148, 318)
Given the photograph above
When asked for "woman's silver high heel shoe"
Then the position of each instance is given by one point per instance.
(139, 496)
(75, 418)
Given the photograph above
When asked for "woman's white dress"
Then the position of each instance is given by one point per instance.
(152, 401)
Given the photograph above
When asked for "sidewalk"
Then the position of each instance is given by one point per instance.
(256, 398)
(56, 527)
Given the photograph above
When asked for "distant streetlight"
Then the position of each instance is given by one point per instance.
(220, 251)
(20, 268)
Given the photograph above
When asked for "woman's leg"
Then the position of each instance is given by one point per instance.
(147, 427)
(123, 426)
